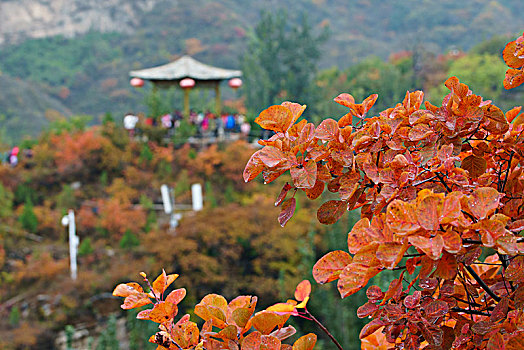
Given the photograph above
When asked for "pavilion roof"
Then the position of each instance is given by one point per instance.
(185, 67)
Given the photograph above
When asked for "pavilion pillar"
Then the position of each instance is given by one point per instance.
(186, 103)
(218, 103)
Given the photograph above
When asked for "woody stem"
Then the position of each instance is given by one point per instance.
(324, 329)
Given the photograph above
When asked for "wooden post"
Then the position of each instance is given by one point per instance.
(186, 102)
(218, 106)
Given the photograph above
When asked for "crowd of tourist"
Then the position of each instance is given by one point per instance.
(207, 124)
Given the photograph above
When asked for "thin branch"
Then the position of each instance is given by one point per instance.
(412, 255)
(324, 329)
(482, 284)
(425, 180)
(507, 171)
(470, 312)
(471, 241)
(443, 182)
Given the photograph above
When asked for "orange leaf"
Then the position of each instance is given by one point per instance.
(127, 289)
(266, 321)
(296, 109)
(496, 342)
(345, 100)
(163, 312)
(253, 167)
(162, 282)
(331, 211)
(483, 201)
(303, 290)
(136, 300)
(427, 211)
(419, 132)
(306, 342)
(513, 78)
(475, 165)
(452, 242)
(432, 247)
(276, 118)
(357, 274)
(390, 253)
(447, 267)
(252, 341)
(315, 191)
(330, 266)
(515, 270)
(306, 175)
(401, 217)
(287, 211)
(281, 308)
(241, 316)
(213, 306)
(512, 113)
(270, 342)
(510, 57)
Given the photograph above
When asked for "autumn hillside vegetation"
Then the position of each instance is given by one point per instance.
(113, 184)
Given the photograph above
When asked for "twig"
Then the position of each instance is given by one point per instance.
(470, 312)
(324, 329)
(482, 284)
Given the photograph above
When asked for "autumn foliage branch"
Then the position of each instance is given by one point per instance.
(440, 193)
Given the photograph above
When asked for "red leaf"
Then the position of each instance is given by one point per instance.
(412, 301)
(419, 132)
(330, 266)
(176, 296)
(366, 310)
(345, 100)
(283, 193)
(288, 209)
(374, 293)
(296, 109)
(271, 156)
(331, 211)
(371, 327)
(436, 309)
(327, 130)
(306, 176)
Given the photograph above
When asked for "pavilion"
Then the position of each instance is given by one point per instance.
(187, 73)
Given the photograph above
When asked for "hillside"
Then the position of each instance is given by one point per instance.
(86, 66)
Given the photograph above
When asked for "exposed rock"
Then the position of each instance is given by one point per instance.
(22, 19)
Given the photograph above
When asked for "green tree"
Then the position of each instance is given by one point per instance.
(28, 218)
(281, 61)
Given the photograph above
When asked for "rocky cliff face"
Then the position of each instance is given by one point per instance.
(22, 19)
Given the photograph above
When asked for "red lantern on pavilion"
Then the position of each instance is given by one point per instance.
(136, 82)
(187, 83)
(235, 83)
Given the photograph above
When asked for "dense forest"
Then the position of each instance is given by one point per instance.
(88, 74)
